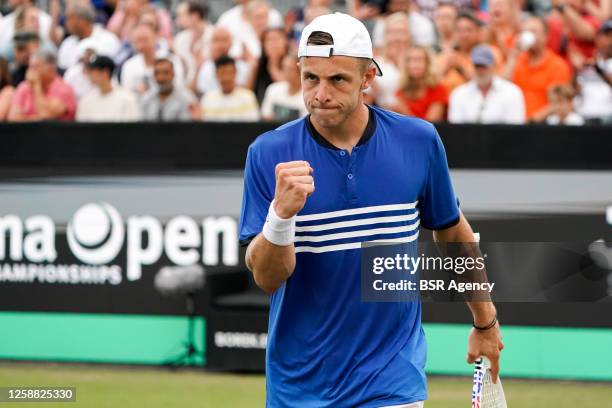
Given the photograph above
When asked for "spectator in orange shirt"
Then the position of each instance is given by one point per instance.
(420, 93)
(454, 65)
(504, 24)
(536, 68)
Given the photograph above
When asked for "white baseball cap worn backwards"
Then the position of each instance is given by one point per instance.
(350, 37)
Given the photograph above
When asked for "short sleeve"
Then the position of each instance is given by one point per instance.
(256, 199)
(438, 205)
(439, 94)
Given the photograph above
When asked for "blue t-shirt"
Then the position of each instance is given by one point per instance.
(327, 348)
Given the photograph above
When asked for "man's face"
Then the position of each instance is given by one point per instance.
(397, 34)
(259, 18)
(143, 39)
(501, 11)
(182, 20)
(226, 75)
(164, 74)
(603, 42)
(97, 76)
(398, 5)
(468, 33)
(221, 42)
(24, 51)
(332, 87)
(535, 26)
(72, 23)
(483, 75)
(560, 106)
(444, 18)
(45, 70)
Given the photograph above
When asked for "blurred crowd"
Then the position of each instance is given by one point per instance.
(462, 61)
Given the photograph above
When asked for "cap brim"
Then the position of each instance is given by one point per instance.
(378, 70)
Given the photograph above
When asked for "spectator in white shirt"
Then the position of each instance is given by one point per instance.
(192, 42)
(283, 100)
(77, 76)
(229, 103)
(594, 78)
(80, 23)
(487, 98)
(220, 44)
(137, 72)
(238, 21)
(422, 29)
(165, 102)
(7, 24)
(561, 107)
(108, 102)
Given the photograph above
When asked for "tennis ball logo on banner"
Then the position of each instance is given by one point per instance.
(96, 235)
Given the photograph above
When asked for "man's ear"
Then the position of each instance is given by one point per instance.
(369, 77)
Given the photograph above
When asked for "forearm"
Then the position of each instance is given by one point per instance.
(579, 27)
(483, 312)
(45, 108)
(270, 264)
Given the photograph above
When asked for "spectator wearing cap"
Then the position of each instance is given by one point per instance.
(454, 65)
(80, 23)
(536, 68)
(229, 103)
(594, 79)
(486, 98)
(220, 45)
(8, 26)
(43, 95)
(192, 42)
(77, 76)
(137, 72)
(26, 20)
(6, 89)
(108, 102)
(25, 44)
(420, 93)
(165, 102)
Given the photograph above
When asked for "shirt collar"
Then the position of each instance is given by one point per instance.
(322, 141)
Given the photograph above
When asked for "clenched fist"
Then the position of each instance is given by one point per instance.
(294, 184)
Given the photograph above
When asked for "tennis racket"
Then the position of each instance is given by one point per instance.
(485, 394)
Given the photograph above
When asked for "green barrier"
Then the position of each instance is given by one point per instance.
(101, 338)
(530, 352)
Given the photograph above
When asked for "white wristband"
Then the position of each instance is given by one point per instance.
(279, 231)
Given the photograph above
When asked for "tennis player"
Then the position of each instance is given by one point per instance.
(314, 190)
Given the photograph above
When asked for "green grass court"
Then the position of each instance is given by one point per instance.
(118, 387)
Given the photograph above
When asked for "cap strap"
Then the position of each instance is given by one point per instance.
(317, 51)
